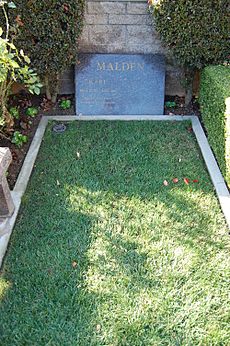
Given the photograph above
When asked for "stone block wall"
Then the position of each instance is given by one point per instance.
(121, 26)
(118, 27)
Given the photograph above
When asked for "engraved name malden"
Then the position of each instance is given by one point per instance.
(109, 66)
(119, 66)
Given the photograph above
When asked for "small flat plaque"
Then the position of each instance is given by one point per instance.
(114, 84)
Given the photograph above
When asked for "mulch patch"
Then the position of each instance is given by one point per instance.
(27, 125)
(179, 108)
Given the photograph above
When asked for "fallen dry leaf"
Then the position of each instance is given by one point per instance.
(46, 105)
(66, 7)
(175, 180)
(165, 183)
(49, 270)
(14, 155)
(74, 264)
(19, 20)
(98, 327)
(189, 129)
(24, 125)
(186, 180)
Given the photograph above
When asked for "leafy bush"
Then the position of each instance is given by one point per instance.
(14, 112)
(19, 139)
(32, 112)
(215, 107)
(14, 67)
(195, 31)
(65, 104)
(48, 34)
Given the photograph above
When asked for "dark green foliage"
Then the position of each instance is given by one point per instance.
(215, 107)
(48, 33)
(196, 31)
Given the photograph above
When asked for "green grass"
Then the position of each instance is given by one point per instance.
(103, 254)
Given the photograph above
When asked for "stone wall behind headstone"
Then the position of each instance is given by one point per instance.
(121, 26)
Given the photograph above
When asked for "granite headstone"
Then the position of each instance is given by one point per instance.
(115, 84)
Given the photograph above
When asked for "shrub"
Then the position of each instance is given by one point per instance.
(14, 67)
(48, 34)
(19, 139)
(195, 31)
(32, 112)
(65, 104)
(215, 107)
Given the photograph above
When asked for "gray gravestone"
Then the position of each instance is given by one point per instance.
(6, 202)
(114, 84)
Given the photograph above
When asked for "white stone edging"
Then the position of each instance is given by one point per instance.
(24, 176)
(21, 185)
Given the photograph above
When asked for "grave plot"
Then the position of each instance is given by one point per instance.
(119, 241)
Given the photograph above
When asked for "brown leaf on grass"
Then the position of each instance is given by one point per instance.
(165, 183)
(66, 7)
(50, 271)
(175, 180)
(74, 264)
(19, 20)
(186, 180)
(98, 327)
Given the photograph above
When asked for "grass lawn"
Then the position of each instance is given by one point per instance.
(104, 254)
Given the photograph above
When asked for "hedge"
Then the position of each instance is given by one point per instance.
(195, 31)
(214, 100)
(48, 31)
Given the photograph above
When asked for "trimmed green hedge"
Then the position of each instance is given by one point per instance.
(48, 32)
(197, 32)
(215, 108)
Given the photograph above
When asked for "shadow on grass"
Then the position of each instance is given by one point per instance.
(104, 255)
(44, 278)
(173, 250)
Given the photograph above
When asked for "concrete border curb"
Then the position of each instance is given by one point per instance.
(21, 184)
(26, 170)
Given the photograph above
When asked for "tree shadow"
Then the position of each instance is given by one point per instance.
(98, 263)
